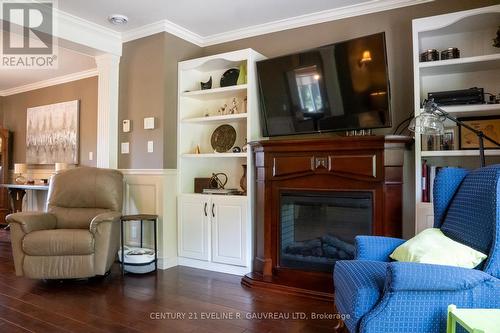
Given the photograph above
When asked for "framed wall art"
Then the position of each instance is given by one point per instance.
(52, 133)
(490, 126)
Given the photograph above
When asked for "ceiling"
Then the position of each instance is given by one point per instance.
(203, 17)
(69, 62)
(203, 22)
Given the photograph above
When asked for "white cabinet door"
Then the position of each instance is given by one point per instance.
(229, 222)
(194, 220)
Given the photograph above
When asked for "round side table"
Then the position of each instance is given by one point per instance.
(143, 218)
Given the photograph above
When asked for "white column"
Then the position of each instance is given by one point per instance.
(107, 110)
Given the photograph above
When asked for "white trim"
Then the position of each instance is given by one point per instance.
(213, 266)
(149, 172)
(107, 110)
(368, 7)
(78, 30)
(166, 263)
(106, 40)
(334, 14)
(92, 38)
(162, 26)
(440, 21)
(50, 82)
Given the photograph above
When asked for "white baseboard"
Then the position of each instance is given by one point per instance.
(166, 263)
(212, 266)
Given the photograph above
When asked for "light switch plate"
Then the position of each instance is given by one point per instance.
(150, 146)
(91, 156)
(125, 147)
(126, 125)
(149, 123)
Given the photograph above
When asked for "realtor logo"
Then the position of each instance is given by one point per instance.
(28, 35)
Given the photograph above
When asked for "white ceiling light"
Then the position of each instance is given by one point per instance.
(117, 19)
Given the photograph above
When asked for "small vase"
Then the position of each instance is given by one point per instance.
(243, 180)
(242, 77)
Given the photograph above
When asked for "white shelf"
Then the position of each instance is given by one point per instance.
(224, 118)
(215, 155)
(472, 152)
(473, 110)
(243, 196)
(471, 32)
(468, 64)
(425, 205)
(216, 93)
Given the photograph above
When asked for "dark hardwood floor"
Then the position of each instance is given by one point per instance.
(148, 303)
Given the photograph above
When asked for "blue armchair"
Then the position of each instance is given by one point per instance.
(382, 296)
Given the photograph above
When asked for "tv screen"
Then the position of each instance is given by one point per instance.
(338, 87)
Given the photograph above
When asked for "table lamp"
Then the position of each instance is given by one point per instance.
(430, 122)
(19, 169)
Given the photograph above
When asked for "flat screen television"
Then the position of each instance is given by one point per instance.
(338, 87)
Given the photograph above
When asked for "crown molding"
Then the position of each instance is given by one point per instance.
(50, 82)
(368, 7)
(93, 35)
(163, 26)
(78, 30)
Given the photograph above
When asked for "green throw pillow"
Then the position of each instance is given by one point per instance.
(431, 246)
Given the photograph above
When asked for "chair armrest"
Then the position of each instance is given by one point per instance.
(106, 230)
(104, 217)
(406, 276)
(32, 221)
(376, 248)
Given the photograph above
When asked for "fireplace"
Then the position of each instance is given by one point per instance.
(312, 197)
(318, 228)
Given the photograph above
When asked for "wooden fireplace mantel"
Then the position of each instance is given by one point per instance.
(369, 163)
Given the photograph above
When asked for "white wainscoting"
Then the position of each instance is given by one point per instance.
(146, 191)
(153, 191)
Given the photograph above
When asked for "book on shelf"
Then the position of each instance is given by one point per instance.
(425, 184)
(429, 173)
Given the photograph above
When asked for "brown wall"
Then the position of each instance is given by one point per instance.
(14, 114)
(396, 24)
(148, 88)
(176, 50)
(148, 70)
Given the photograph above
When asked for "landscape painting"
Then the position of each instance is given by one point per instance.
(52, 133)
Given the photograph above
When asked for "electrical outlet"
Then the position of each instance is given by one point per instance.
(91, 156)
(150, 146)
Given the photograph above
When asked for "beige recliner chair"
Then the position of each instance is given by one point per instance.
(79, 235)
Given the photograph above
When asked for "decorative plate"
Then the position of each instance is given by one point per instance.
(230, 77)
(223, 138)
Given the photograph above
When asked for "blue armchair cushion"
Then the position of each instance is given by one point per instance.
(445, 185)
(358, 287)
(464, 222)
(376, 247)
(408, 276)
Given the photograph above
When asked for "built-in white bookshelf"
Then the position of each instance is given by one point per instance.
(472, 33)
(215, 231)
